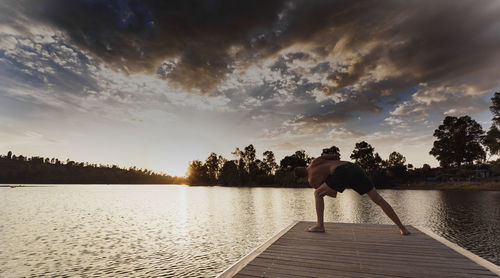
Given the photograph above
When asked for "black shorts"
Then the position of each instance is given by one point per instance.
(351, 176)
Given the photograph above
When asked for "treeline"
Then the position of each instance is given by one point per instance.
(39, 170)
(461, 148)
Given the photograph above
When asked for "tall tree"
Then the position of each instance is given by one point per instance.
(492, 140)
(197, 173)
(458, 141)
(229, 174)
(241, 165)
(364, 155)
(212, 166)
(269, 162)
(249, 155)
(9, 155)
(495, 108)
(396, 160)
(221, 161)
(331, 150)
(396, 164)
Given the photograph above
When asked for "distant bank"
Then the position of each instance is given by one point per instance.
(450, 185)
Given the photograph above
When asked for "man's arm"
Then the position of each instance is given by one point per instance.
(319, 194)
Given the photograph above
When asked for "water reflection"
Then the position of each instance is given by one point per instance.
(198, 231)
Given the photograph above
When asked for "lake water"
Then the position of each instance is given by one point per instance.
(180, 231)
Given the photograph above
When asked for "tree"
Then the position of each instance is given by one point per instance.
(396, 160)
(495, 108)
(9, 155)
(249, 154)
(331, 150)
(212, 166)
(257, 172)
(426, 167)
(221, 161)
(269, 162)
(298, 159)
(229, 175)
(241, 165)
(458, 141)
(492, 140)
(197, 173)
(396, 164)
(364, 156)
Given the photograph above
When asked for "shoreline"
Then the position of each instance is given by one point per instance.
(451, 186)
(462, 185)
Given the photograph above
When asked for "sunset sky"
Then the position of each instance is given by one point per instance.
(157, 84)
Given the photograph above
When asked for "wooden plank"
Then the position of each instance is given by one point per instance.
(374, 267)
(237, 266)
(473, 257)
(357, 250)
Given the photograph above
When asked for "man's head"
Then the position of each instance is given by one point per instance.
(301, 173)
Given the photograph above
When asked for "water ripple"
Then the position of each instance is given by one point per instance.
(178, 231)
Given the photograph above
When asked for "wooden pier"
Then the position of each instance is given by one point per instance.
(359, 250)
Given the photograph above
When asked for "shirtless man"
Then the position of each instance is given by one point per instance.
(328, 175)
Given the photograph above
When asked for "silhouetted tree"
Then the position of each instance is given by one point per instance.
(495, 108)
(364, 156)
(39, 170)
(37, 159)
(331, 150)
(221, 162)
(396, 160)
(298, 159)
(426, 167)
(212, 166)
(197, 173)
(396, 164)
(9, 155)
(257, 172)
(269, 164)
(249, 154)
(492, 140)
(458, 141)
(241, 164)
(230, 174)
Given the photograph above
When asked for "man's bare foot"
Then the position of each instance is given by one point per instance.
(316, 228)
(404, 232)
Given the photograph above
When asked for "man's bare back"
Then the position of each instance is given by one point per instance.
(320, 169)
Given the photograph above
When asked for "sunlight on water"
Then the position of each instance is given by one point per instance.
(180, 231)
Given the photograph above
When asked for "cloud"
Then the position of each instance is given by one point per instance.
(343, 133)
(377, 46)
(139, 36)
(445, 100)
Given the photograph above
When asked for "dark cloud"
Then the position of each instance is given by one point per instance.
(139, 35)
(423, 41)
(339, 113)
(321, 68)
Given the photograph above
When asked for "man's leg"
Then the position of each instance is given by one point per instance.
(319, 193)
(377, 199)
